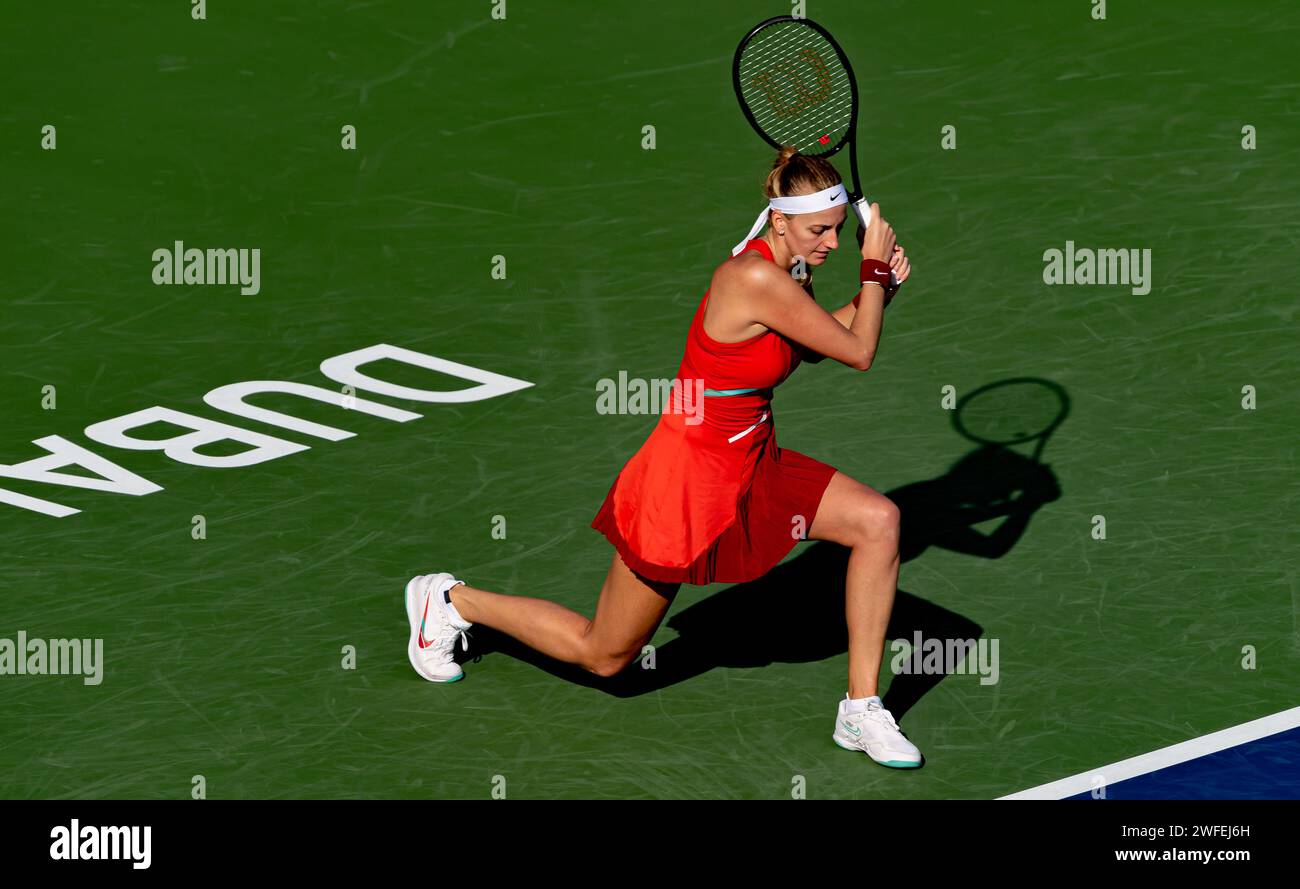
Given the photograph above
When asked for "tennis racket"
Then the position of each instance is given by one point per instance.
(796, 87)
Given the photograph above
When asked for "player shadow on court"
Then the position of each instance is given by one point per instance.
(795, 613)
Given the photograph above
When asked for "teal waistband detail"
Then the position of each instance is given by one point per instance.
(731, 391)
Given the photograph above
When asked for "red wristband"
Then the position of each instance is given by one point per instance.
(873, 271)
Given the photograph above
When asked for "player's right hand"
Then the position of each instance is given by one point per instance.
(878, 240)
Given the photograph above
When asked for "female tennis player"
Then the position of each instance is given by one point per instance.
(717, 500)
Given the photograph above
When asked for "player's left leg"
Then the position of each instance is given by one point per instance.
(628, 612)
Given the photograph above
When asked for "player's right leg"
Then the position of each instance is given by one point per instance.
(857, 516)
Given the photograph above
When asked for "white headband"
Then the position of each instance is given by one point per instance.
(804, 203)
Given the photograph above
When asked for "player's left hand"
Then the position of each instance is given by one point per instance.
(901, 266)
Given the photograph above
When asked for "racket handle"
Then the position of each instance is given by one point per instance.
(862, 207)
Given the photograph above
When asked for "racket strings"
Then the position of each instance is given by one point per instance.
(789, 112)
(796, 88)
(791, 48)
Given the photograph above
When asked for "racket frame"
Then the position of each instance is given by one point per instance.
(861, 205)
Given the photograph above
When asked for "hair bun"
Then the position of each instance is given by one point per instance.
(794, 173)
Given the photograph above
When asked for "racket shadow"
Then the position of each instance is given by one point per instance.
(795, 613)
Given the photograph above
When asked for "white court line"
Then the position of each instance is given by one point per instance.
(1165, 757)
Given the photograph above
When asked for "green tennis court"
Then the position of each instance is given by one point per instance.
(500, 210)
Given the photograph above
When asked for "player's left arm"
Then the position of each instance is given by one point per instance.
(902, 268)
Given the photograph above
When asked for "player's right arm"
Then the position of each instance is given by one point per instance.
(778, 302)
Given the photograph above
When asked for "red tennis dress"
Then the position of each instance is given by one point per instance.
(710, 497)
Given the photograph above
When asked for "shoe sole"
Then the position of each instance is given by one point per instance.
(890, 763)
(413, 646)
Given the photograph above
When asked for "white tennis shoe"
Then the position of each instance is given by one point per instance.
(433, 631)
(874, 732)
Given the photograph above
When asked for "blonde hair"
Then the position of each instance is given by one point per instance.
(794, 174)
